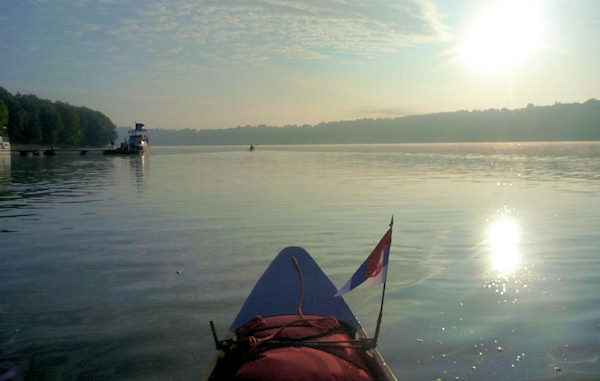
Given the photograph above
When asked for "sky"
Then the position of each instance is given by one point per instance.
(175, 64)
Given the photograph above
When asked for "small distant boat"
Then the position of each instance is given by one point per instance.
(4, 146)
(293, 327)
(136, 144)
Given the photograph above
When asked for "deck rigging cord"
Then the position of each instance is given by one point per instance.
(327, 324)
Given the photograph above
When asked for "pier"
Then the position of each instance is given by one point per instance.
(54, 151)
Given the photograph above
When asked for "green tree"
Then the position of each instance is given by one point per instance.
(32, 129)
(31, 120)
(3, 114)
(96, 128)
(16, 116)
(50, 122)
(69, 131)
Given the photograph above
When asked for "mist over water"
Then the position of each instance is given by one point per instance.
(113, 266)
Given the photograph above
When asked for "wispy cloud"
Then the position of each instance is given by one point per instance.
(92, 27)
(256, 30)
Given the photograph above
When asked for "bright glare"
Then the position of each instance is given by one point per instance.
(503, 238)
(503, 34)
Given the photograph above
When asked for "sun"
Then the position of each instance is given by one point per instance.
(502, 34)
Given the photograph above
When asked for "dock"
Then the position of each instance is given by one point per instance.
(54, 151)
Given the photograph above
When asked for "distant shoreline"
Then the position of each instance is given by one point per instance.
(559, 122)
(23, 147)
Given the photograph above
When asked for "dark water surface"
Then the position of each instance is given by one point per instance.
(112, 267)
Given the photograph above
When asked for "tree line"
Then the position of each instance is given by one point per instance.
(559, 122)
(31, 120)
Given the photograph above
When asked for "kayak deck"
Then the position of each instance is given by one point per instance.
(292, 327)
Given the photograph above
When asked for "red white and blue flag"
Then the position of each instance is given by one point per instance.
(373, 271)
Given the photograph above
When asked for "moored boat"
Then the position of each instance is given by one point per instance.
(136, 144)
(4, 146)
(292, 326)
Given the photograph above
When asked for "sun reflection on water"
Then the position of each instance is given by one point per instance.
(503, 241)
(507, 275)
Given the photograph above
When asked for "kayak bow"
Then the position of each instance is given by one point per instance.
(292, 327)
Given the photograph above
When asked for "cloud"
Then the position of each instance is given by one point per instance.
(258, 30)
(92, 27)
(128, 30)
(186, 38)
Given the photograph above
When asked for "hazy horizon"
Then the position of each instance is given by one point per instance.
(212, 65)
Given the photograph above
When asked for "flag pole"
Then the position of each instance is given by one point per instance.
(379, 318)
(381, 306)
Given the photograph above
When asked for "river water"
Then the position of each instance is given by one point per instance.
(112, 267)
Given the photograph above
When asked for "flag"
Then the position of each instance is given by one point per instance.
(373, 271)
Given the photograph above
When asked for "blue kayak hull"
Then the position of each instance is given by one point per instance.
(293, 284)
(278, 291)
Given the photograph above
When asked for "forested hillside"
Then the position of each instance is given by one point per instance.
(560, 122)
(31, 120)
